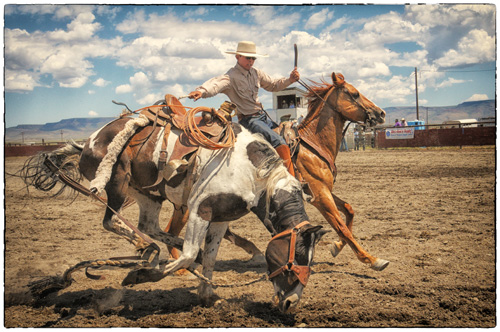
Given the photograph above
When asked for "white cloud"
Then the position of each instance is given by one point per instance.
(477, 97)
(318, 18)
(177, 52)
(19, 81)
(449, 82)
(475, 47)
(91, 92)
(58, 12)
(64, 55)
(377, 69)
(199, 11)
(93, 114)
(124, 88)
(100, 82)
(453, 30)
(337, 24)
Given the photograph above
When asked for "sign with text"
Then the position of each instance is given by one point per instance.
(400, 133)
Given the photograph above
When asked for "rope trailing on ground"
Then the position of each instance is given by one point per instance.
(234, 285)
(45, 286)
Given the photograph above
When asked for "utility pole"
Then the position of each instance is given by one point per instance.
(61, 135)
(416, 90)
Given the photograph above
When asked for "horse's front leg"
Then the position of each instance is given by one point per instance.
(212, 243)
(178, 221)
(175, 225)
(195, 233)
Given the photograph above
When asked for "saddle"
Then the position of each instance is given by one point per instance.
(288, 130)
(174, 114)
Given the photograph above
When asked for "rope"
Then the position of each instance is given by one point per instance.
(45, 286)
(234, 285)
(197, 135)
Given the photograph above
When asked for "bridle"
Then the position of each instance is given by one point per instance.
(302, 272)
(369, 116)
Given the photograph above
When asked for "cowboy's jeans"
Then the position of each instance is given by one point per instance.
(261, 124)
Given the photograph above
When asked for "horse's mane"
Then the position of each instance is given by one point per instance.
(317, 93)
(318, 89)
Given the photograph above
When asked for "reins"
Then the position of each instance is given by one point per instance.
(325, 102)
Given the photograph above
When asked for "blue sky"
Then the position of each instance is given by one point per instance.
(66, 61)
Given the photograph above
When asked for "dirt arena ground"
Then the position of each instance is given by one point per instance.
(431, 212)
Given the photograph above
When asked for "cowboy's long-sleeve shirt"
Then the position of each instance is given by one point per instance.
(242, 87)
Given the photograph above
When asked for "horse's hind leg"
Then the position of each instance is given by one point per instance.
(346, 209)
(116, 191)
(112, 223)
(324, 202)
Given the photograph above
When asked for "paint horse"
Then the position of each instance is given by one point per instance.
(225, 185)
(317, 145)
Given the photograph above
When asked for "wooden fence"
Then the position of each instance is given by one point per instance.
(440, 137)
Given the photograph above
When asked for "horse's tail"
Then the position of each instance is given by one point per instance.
(71, 148)
(35, 172)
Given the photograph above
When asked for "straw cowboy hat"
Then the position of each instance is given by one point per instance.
(247, 48)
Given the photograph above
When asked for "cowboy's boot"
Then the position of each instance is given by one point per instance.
(284, 152)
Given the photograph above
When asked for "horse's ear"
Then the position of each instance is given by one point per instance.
(317, 231)
(338, 79)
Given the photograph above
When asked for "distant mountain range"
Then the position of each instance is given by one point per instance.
(62, 131)
(81, 128)
(436, 115)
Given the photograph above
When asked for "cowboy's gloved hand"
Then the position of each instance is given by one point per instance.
(294, 75)
(195, 95)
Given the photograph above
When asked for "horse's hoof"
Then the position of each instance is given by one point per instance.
(151, 254)
(335, 250)
(181, 273)
(380, 264)
(257, 259)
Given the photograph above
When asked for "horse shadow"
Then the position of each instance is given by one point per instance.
(133, 305)
(126, 302)
(352, 274)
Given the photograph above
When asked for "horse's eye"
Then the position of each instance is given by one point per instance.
(355, 95)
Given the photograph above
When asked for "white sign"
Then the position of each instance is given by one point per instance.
(400, 133)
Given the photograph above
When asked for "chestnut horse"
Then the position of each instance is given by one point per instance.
(320, 135)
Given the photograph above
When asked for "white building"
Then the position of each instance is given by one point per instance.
(289, 102)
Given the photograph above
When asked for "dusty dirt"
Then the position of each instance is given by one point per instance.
(430, 212)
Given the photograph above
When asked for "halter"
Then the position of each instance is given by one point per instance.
(302, 272)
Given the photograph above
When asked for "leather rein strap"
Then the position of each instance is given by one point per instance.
(302, 272)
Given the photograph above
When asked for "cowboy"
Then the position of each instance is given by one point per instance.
(241, 84)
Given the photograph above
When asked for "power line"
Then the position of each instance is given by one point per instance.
(458, 71)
